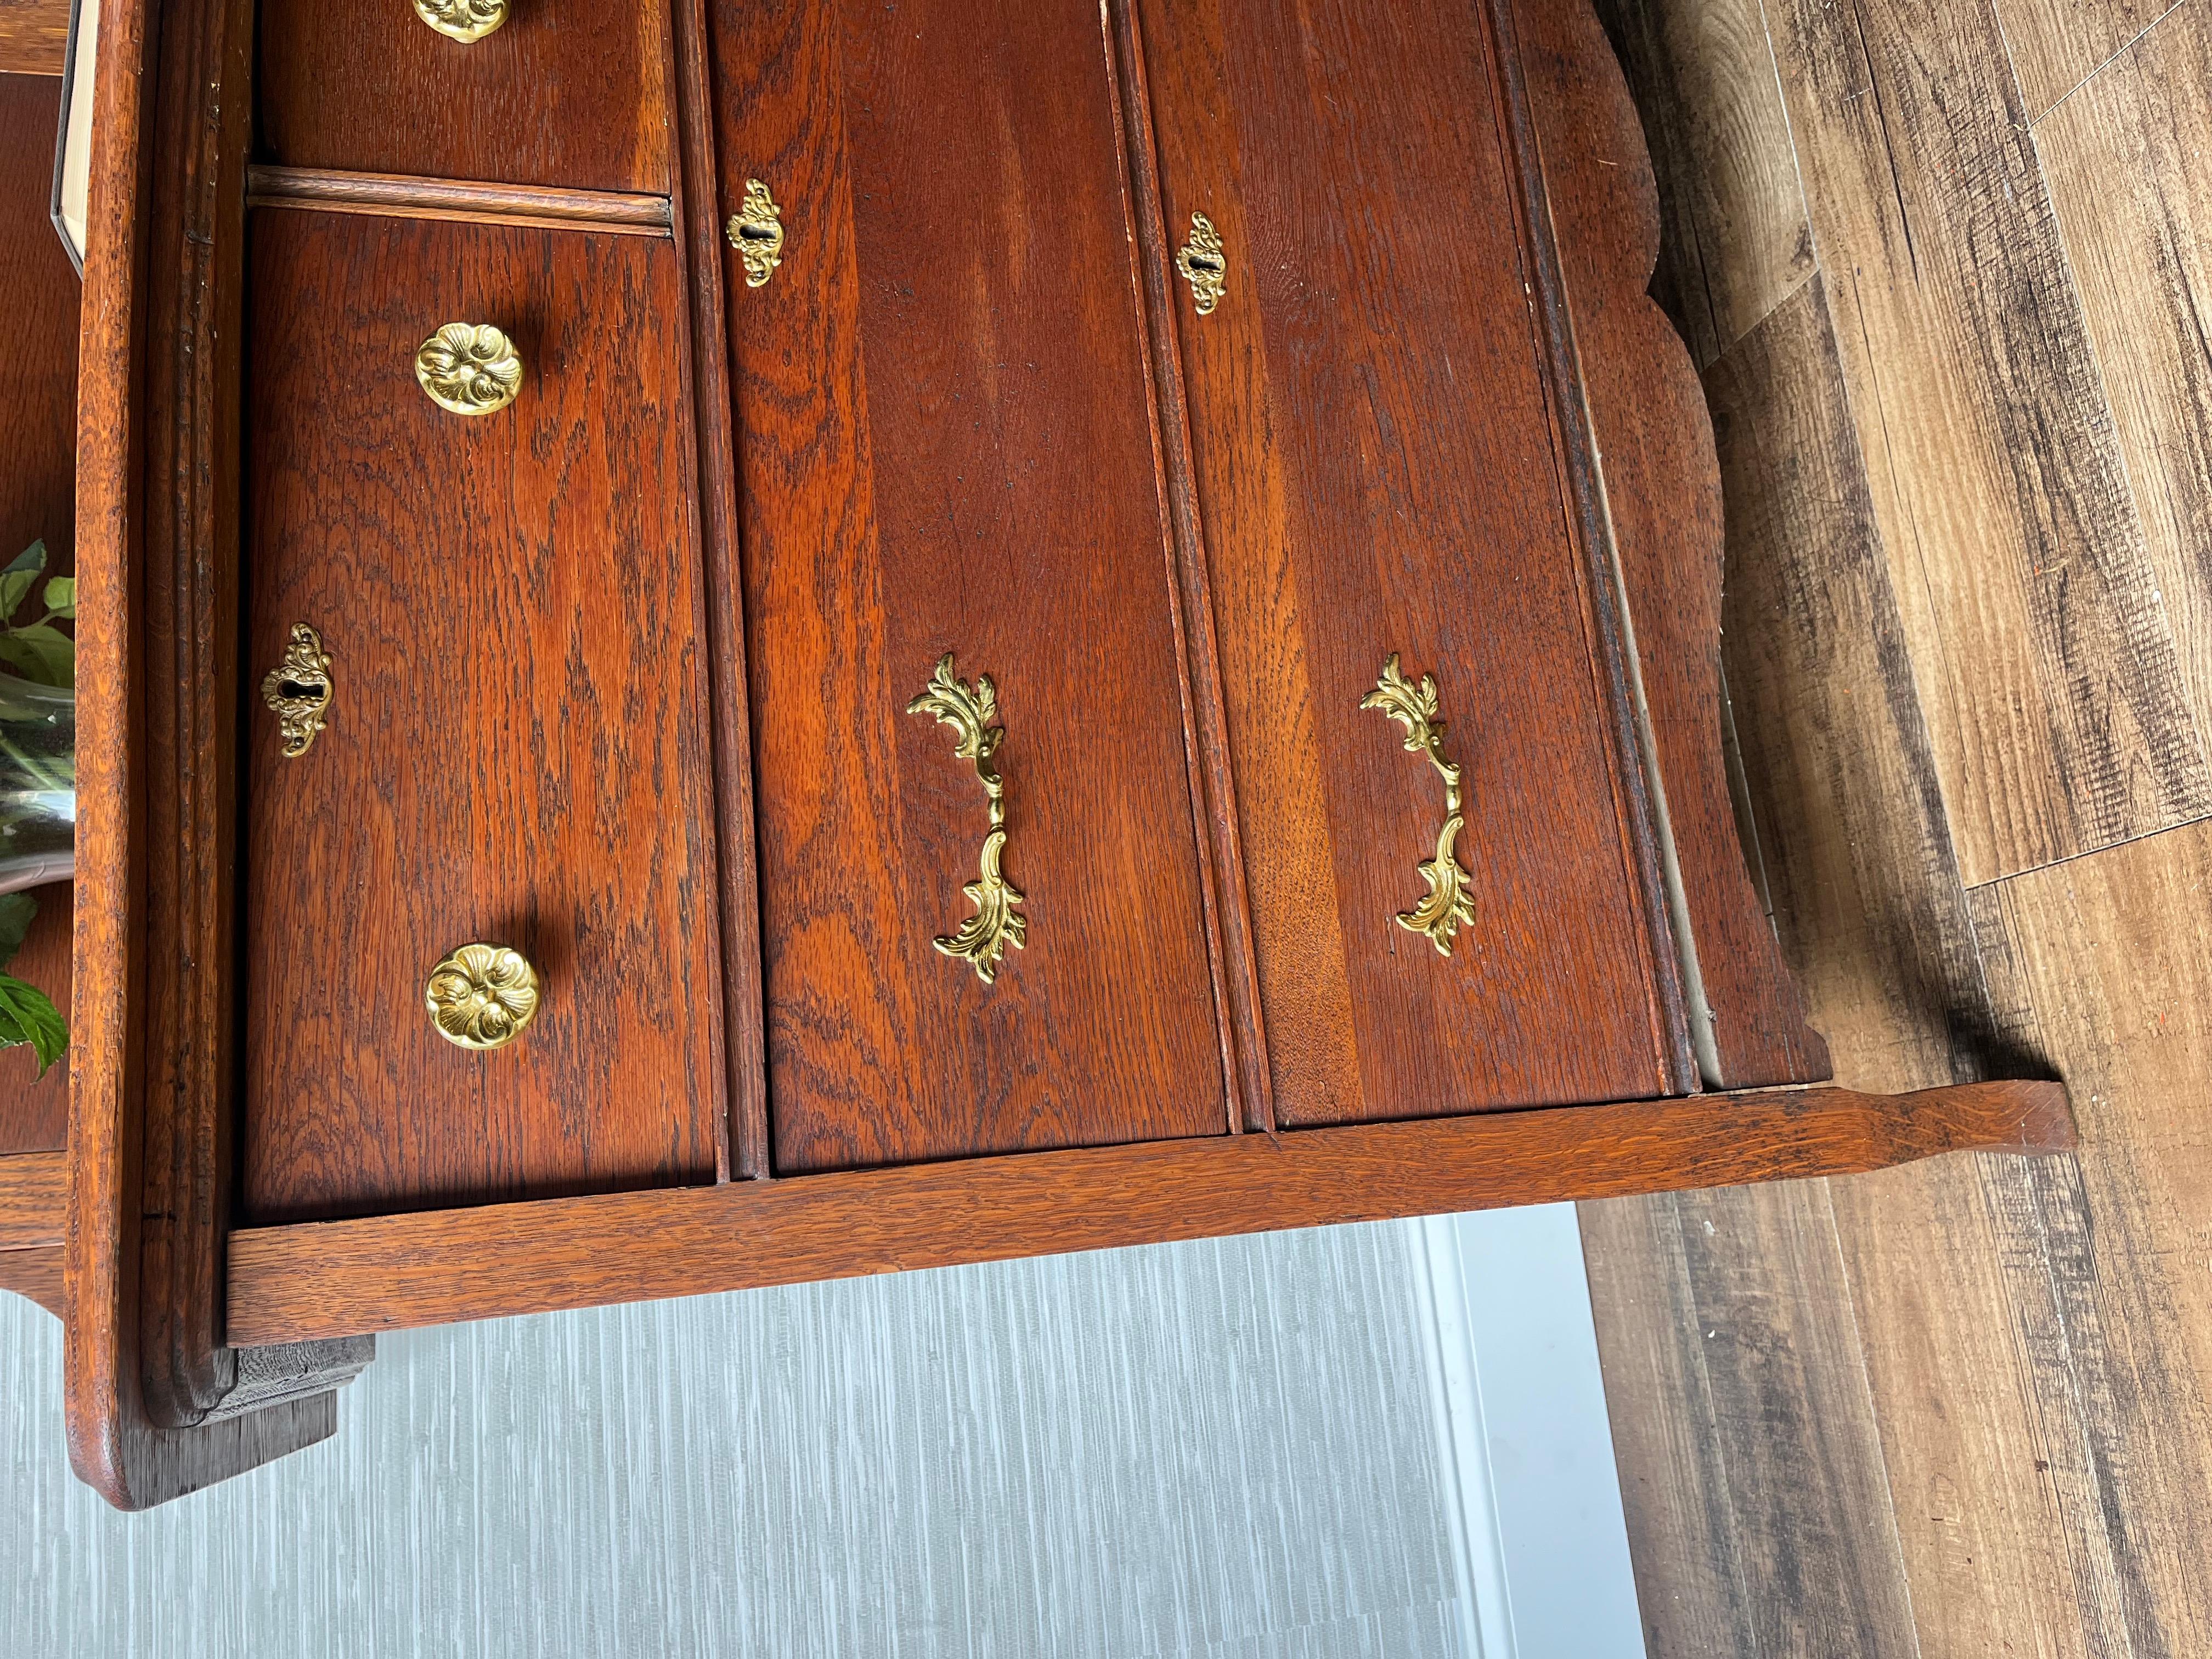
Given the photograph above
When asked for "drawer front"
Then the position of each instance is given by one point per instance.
(1379, 475)
(514, 749)
(946, 449)
(559, 94)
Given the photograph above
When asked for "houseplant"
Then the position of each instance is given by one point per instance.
(37, 779)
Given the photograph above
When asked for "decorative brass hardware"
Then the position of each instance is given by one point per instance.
(755, 230)
(1448, 902)
(482, 996)
(298, 690)
(471, 368)
(462, 20)
(1203, 264)
(981, 940)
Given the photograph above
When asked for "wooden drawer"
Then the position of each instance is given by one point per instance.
(516, 749)
(946, 447)
(560, 94)
(1380, 469)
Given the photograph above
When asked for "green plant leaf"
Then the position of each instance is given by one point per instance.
(61, 596)
(17, 579)
(27, 1016)
(41, 652)
(16, 911)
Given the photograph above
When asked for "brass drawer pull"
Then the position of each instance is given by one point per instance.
(1203, 264)
(482, 996)
(298, 690)
(755, 230)
(981, 940)
(1448, 902)
(462, 20)
(471, 368)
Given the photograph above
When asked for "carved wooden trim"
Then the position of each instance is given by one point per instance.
(1655, 496)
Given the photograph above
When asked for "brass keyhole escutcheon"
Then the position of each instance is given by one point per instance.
(1204, 266)
(755, 230)
(482, 996)
(298, 690)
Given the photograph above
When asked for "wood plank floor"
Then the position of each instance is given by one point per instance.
(1947, 266)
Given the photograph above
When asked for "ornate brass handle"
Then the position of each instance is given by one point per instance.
(980, 940)
(471, 368)
(755, 230)
(1203, 264)
(462, 20)
(1449, 901)
(298, 690)
(482, 996)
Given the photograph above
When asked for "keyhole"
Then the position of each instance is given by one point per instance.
(757, 233)
(295, 690)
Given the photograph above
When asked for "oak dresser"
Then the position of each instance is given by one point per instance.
(725, 642)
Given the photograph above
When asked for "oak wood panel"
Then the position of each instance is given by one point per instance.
(36, 1275)
(33, 40)
(1378, 466)
(39, 294)
(1737, 240)
(2043, 652)
(558, 94)
(517, 749)
(2056, 45)
(2125, 159)
(944, 447)
(1662, 494)
(346, 1277)
(697, 223)
(117, 1445)
(2113, 965)
(33, 1196)
(540, 205)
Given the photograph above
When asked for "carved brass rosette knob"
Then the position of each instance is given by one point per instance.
(471, 368)
(755, 230)
(981, 940)
(298, 690)
(482, 996)
(462, 20)
(1449, 901)
(1203, 264)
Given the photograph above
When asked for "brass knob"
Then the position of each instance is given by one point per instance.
(462, 20)
(471, 368)
(482, 996)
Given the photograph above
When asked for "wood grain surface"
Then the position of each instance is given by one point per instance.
(118, 1445)
(33, 1189)
(559, 94)
(39, 294)
(944, 447)
(1736, 239)
(36, 1275)
(2125, 159)
(1377, 466)
(33, 40)
(2054, 45)
(1663, 498)
(517, 747)
(2045, 653)
(346, 1277)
